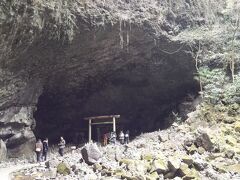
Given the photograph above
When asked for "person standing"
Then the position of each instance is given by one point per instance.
(38, 150)
(45, 149)
(121, 137)
(61, 145)
(126, 137)
(114, 137)
(105, 139)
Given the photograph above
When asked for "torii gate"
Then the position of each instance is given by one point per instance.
(92, 119)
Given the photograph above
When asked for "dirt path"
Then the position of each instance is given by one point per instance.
(6, 172)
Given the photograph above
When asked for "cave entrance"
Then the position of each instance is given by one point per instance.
(145, 105)
(145, 85)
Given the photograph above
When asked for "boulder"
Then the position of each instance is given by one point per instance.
(118, 173)
(91, 153)
(192, 149)
(142, 166)
(177, 178)
(199, 164)
(131, 167)
(229, 120)
(201, 150)
(170, 175)
(184, 170)
(3, 151)
(192, 175)
(62, 168)
(107, 172)
(188, 142)
(163, 137)
(187, 160)
(229, 154)
(128, 177)
(126, 161)
(237, 126)
(52, 163)
(212, 174)
(160, 155)
(174, 163)
(52, 173)
(203, 140)
(147, 157)
(160, 166)
(233, 168)
(97, 167)
(152, 176)
(231, 140)
(219, 167)
(186, 173)
(73, 167)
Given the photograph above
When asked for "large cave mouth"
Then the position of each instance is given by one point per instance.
(144, 95)
(142, 79)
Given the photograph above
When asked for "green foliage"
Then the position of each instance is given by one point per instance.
(232, 91)
(213, 83)
(218, 88)
(176, 117)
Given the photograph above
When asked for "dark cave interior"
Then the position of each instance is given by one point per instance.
(145, 97)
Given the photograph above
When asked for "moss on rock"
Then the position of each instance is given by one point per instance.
(62, 168)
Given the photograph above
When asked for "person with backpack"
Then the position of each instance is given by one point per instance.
(39, 150)
(61, 146)
(45, 149)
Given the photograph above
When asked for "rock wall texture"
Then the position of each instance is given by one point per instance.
(93, 57)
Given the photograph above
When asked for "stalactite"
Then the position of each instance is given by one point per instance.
(127, 40)
(130, 24)
(121, 34)
(155, 42)
(103, 20)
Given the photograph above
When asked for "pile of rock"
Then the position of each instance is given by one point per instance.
(179, 152)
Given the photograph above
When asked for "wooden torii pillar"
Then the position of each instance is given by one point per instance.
(101, 120)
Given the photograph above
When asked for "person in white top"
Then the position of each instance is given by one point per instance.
(121, 137)
(126, 138)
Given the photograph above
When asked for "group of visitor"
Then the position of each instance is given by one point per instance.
(124, 138)
(112, 138)
(41, 148)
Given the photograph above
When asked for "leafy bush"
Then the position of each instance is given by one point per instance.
(232, 91)
(218, 88)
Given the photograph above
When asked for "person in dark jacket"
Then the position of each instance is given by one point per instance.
(39, 150)
(61, 146)
(45, 149)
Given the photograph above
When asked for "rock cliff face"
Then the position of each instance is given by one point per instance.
(63, 60)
